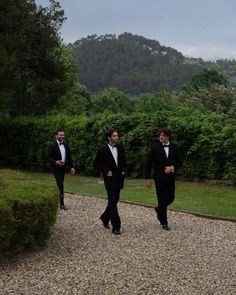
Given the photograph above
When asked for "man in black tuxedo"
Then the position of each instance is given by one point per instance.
(110, 160)
(59, 157)
(164, 159)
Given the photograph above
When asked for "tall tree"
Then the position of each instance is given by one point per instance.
(32, 74)
(76, 100)
(207, 78)
(113, 100)
(210, 90)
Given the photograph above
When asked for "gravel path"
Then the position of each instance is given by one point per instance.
(198, 256)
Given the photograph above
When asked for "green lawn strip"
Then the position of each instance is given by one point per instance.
(200, 198)
(206, 199)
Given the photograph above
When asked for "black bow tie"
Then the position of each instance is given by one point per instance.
(61, 143)
(166, 145)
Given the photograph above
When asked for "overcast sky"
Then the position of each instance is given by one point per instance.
(198, 28)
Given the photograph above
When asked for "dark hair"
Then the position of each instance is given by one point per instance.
(109, 132)
(166, 131)
(59, 130)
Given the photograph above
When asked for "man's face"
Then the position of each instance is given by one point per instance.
(60, 136)
(114, 138)
(163, 138)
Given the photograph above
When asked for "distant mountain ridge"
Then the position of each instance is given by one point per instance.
(136, 64)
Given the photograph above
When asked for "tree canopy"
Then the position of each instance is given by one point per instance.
(32, 74)
(209, 90)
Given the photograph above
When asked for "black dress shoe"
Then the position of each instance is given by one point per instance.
(116, 232)
(63, 207)
(165, 226)
(106, 225)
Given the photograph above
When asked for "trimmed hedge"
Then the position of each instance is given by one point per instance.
(28, 211)
(206, 141)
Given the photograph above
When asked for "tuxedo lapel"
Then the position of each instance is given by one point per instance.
(170, 151)
(163, 152)
(119, 155)
(109, 153)
(57, 147)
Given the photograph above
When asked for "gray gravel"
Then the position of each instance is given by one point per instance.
(196, 257)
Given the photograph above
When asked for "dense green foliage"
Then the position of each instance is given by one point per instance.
(209, 91)
(137, 65)
(28, 211)
(76, 99)
(131, 63)
(207, 78)
(33, 74)
(206, 141)
(226, 67)
(112, 100)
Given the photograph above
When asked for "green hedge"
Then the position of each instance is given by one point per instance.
(27, 212)
(207, 141)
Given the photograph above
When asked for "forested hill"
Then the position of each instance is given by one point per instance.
(133, 64)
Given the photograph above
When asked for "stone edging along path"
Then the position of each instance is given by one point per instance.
(149, 206)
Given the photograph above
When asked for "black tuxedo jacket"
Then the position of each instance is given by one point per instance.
(157, 160)
(104, 162)
(54, 155)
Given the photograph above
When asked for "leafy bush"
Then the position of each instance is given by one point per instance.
(229, 134)
(206, 140)
(28, 211)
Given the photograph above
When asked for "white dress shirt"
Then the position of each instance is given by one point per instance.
(166, 149)
(63, 151)
(114, 152)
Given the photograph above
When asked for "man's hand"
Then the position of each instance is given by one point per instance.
(72, 171)
(109, 173)
(59, 163)
(169, 169)
(148, 183)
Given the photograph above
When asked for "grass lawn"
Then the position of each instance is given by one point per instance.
(201, 198)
